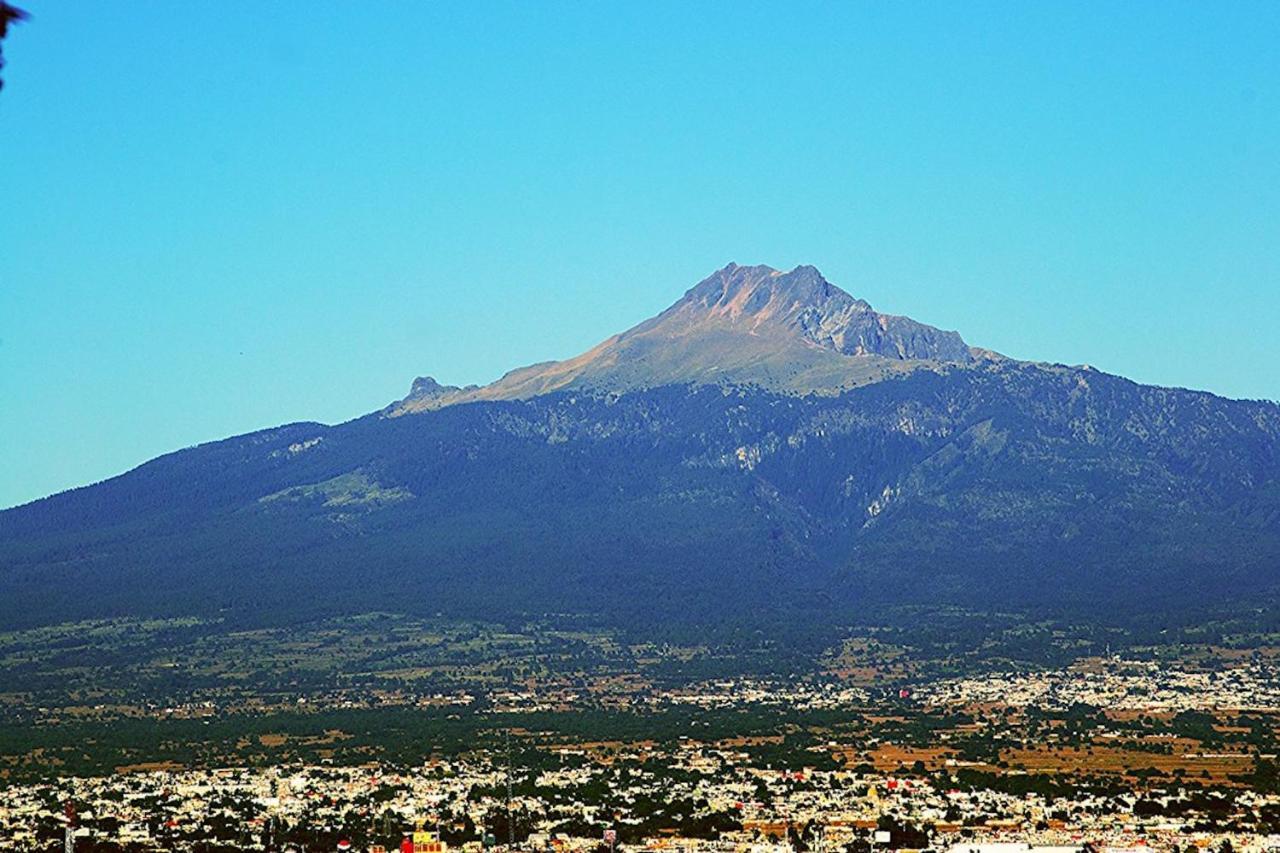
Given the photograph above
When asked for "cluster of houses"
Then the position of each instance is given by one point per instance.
(1119, 685)
(585, 805)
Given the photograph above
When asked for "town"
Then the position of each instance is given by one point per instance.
(1110, 753)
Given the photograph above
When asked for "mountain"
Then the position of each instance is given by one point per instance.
(769, 452)
(783, 331)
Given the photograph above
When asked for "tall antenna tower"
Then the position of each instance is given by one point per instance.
(69, 840)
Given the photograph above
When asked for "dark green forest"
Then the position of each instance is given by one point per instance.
(686, 511)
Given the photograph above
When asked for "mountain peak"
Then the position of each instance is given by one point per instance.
(752, 325)
(736, 290)
(804, 304)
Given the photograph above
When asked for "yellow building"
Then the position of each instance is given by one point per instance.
(425, 841)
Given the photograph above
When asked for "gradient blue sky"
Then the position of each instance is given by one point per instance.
(216, 217)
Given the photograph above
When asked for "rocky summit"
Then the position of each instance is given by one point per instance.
(792, 332)
(769, 452)
(802, 304)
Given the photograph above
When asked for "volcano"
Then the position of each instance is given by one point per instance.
(768, 451)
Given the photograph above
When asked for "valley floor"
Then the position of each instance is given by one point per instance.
(186, 735)
(727, 764)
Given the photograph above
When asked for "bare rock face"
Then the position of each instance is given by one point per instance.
(793, 332)
(803, 304)
(427, 388)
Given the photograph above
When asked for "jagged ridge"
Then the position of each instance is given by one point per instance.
(792, 331)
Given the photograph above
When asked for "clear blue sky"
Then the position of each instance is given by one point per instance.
(217, 217)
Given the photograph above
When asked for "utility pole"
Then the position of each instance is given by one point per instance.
(511, 827)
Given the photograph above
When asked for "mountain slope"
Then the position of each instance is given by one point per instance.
(785, 331)
(955, 479)
(1012, 485)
